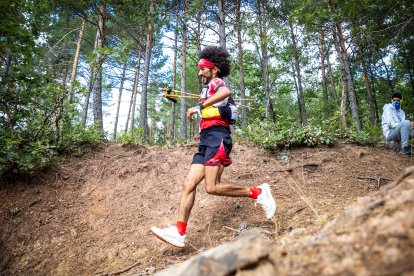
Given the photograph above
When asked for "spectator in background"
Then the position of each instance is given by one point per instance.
(395, 126)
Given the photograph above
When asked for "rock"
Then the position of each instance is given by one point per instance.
(376, 203)
(224, 259)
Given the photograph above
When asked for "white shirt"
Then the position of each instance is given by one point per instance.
(391, 118)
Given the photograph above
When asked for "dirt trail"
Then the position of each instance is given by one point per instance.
(91, 215)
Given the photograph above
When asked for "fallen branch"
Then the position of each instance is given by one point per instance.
(300, 209)
(15, 211)
(125, 269)
(378, 180)
(309, 164)
(232, 229)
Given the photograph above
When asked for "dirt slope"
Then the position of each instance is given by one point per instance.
(91, 215)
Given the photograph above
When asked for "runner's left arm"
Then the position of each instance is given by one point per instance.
(222, 93)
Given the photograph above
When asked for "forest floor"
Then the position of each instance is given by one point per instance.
(91, 215)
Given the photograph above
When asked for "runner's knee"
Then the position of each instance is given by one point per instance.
(189, 185)
(211, 188)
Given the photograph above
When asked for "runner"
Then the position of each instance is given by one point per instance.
(214, 148)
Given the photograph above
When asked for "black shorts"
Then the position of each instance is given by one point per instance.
(215, 147)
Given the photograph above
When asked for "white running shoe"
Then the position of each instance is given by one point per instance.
(170, 235)
(265, 199)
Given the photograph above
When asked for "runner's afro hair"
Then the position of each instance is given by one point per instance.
(219, 56)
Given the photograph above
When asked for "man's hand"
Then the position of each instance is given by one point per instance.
(191, 111)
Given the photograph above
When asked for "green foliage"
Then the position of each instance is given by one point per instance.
(285, 132)
(77, 137)
(134, 137)
(368, 136)
(20, 156)
(23, 152)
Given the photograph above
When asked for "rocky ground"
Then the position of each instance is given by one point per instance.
(91, 215)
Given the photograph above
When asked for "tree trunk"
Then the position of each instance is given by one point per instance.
(91, 84)
(136, 81)
(343, 102)
(370, 94)
(131, 110)
(348, 78)
(301, 98)
(331, 78)
(262, 9)
(198, 44)
(221, 22)
(372, 81)
(97, 90)
(410, 73)
(121, 87)
(174, 84)
(322, 53)
(183, 111)
(76, 60)
(144, 92)
(7, 65)
(240, 58)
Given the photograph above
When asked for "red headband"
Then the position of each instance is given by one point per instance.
(205, 63)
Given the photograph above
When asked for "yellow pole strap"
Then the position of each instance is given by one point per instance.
(177, 91)
(179, 96)
(248, 107)
(195, 96)
(243, 99)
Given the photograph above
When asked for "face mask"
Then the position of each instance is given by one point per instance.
(396, 105)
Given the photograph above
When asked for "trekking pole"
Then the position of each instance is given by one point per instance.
(171, 94)
(248, 107)
(179, 96)
(169, 90)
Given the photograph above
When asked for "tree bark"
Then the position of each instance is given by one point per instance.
(221, 22)
(174, 84)
(410, 72)
(322, 54)
(7, 65)
(344, 98)
(144, 92)
(331, 78)
(348, 78)
(240, 58)
(301, 98)
(121, 87)
(344, 101)
(136, 81)
(372, 81)
(91, 84)
(262, 12)
(370, 94)
(183, 110)
(76, 60)
(97, 90)
(134, 87)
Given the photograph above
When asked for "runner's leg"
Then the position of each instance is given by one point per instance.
(194, 177)
(221, 170)
(214, 187)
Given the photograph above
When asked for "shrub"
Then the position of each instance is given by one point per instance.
(133, 137)
(288, 133)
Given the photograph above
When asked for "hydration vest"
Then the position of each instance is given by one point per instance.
(228, 112)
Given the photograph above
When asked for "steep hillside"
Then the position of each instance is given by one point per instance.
(91, 215)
